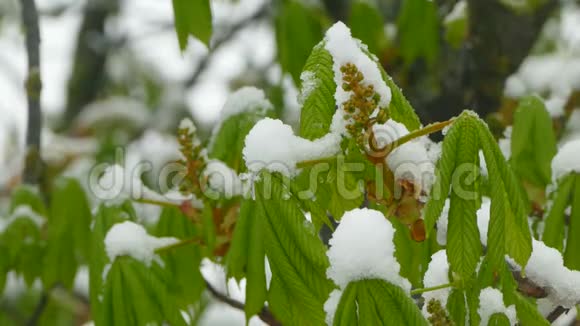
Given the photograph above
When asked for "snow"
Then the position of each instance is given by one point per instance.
(117, 184)
(345, 49)
(331, 305)
(273, 146)
(546, 269)
(57, 148)
(81, 282)
(505, 143)
(16, 286)
(222, 180)
(22, 211)
(111, 109)
(245, 99)
(131, 239)
(362, 248)
(442, 222)
(188, 125)
(491, 302)
(309, 84)
(566, 160)
(483, 219)
(437, 274)
(458, 12)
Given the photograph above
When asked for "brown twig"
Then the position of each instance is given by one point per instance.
(228, 35)
(33, 166)
(265, 315)
(556, 313)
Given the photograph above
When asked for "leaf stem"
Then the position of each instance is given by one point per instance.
(178, 244)
(433, 288)
(307, 163)
(429, 129)
(156, 202)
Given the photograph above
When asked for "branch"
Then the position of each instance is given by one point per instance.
(33, 164)
(228, 35)
(39, 309)
(556, 313)
(265, 315)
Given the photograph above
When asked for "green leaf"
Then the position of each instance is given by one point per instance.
(228, 142)
(527, 311)
(107, 216)
(366, 24)
(192, 17)
(440, 189)
(571, 257)
(554, 226)
(376, 302)
(318, 105)
(413, 256)
(533, 143)
(456, 307)
(457, 27)
(25, 195)
(296, 254)
(182, 263)
(281, 303)
(298, 29)
(346, 311)
(463, 245)
(508, 232)
(256, 291)
(137, 295)
(418, 31)
(68, 233)
(345, 190)
(498, 319)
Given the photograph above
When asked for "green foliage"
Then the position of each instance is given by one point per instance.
(135, 294)
(298, 29)
(508, 232)
(246, 257)
(192, 17)
(105, 218)
(463, 246)
(533, 143)
(186, 281)
(296, 254)
(68, 233)
(418, 31)
(367, 25)
(498, 319)
(228, 141)
(374, 302)
(554, 228)
(571, 257)
(318, 106)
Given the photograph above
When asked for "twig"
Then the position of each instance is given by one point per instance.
(229, 34)
(433, 288)
(265, 315)
(178, 244)
(556, 313)
(39, 309)
(33, 165)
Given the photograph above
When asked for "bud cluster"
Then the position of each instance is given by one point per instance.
(193, 158)
(362, 103)
(438, 314)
